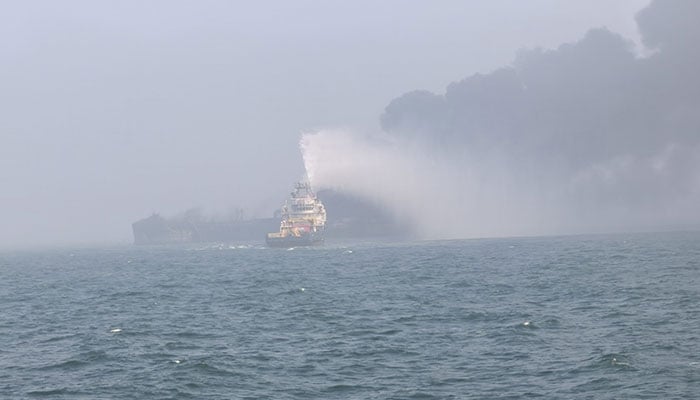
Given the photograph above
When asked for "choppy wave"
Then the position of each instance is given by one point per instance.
(602, 317)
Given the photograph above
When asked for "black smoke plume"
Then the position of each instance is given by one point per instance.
(586, 137)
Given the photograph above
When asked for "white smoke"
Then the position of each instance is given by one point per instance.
(440, 197)
(447, 194)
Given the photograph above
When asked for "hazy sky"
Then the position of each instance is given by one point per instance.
(111, 110)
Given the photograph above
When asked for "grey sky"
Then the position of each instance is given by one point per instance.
(114, 109)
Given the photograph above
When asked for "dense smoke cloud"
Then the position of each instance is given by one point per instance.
(586, 137)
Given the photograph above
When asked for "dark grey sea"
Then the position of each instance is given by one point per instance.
(580, 317)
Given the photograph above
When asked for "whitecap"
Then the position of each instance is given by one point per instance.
(115, 330)
(614, 361)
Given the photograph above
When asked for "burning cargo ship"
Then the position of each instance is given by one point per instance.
(303, 220)
(351, 218)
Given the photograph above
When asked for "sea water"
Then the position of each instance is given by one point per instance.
(591, 317)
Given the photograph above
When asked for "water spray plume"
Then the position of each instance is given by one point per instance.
(437, 197)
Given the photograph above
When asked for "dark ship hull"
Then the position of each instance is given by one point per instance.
(158, 230)
(352, 218)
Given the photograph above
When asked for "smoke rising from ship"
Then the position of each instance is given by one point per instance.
(436, 194)
(586, 137)
(114, 112)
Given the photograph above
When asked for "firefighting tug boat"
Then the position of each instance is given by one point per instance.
(303, 220)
